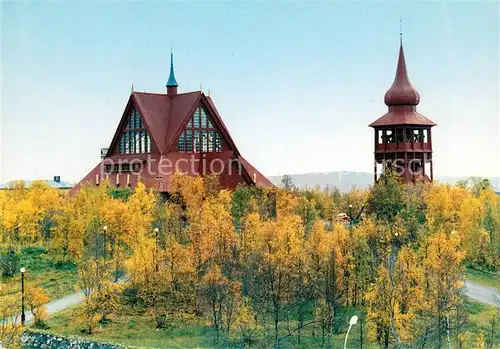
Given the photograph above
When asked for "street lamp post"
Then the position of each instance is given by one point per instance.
(352, 219)
(350, 215)
(156, 230)
(23, 315)
(105, 229)
(353, 321)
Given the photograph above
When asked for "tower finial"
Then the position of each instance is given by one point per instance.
(171, 79)
(401, 30)
(171, 83)
(132, 88)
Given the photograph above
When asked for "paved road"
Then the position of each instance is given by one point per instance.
(482, 293)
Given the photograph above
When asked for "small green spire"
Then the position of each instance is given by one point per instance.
(171, 79)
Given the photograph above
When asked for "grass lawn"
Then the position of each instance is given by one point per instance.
(133, 331)
(480, 319)
(484, 278)
(55, 283)
(42, 270)
(139, 331)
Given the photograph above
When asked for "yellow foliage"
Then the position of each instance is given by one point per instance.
(443, 207)
(480, 342)
(36, 300)
(10, 327)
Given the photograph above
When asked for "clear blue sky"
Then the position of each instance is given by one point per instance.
(296, 83)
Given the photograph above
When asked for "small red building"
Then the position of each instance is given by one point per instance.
(161, 134)
(403, 135)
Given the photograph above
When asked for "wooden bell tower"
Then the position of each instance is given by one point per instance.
(402, 135)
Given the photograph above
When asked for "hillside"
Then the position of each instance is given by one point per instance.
(346, 180)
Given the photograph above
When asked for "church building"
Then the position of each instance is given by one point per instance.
(160, 134)
(403, 135)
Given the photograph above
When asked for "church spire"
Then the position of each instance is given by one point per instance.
(401, 92)
(171, 83)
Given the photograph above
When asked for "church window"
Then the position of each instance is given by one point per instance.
(203, 119)
(189, 140)
(181, 145)
(211, 141)
(204, 143)
(135, 138)
(200, 135)
(137, 142)
(218, 143)
(196, 119)
(122, 145)
(197, 146)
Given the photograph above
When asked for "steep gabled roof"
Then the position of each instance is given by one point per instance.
(165, 116)
(154, 109)
(182, 108)
(162, 114)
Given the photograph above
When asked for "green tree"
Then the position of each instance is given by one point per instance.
(386, 198)
(287, 183)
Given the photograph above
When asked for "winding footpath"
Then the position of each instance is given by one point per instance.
(59, 305)
(62, 303)
(483, 294)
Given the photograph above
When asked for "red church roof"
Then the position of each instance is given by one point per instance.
(162, 114)
(151, 143)
(402, 99)
(164, 117)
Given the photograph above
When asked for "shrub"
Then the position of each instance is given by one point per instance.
(10, 262)
(33, 251)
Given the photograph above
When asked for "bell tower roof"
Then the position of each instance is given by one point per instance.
(402, 100)
(401, 92)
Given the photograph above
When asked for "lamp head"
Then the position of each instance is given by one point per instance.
(105, 228)
(354, 320)
(23, 270)
(156, 230)
(350, 206)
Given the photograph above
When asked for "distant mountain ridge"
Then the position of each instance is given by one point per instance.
(347, 180)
